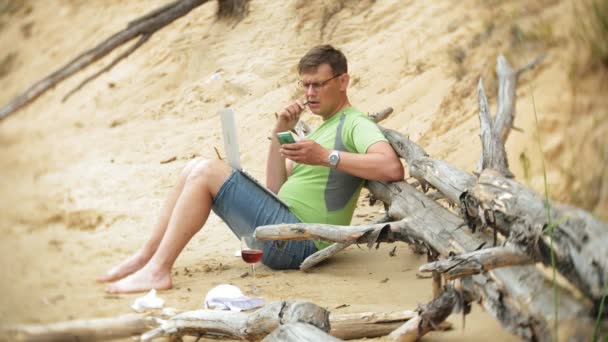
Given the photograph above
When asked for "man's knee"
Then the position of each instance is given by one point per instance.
(211, 171)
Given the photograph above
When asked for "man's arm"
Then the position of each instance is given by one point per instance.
(276, 172)
(380, 162)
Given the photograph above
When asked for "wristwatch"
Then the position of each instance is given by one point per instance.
(333, 159)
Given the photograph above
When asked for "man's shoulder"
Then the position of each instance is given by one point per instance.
(354, 116)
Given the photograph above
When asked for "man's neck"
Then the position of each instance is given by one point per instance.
(345, 104)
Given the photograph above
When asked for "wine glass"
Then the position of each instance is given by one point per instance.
(252, 251)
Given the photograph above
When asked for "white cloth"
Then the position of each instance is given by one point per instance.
(149, 301)
(230, 297)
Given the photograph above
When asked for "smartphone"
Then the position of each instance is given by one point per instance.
(286, 138)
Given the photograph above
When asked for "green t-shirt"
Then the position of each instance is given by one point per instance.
(319, 194)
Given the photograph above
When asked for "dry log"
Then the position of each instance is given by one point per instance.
(493, 154)
(256, 325)
(369, 234)
(507, 84)
(332, 250)
(579, 239)
(367, 324)
(381, 115)
(495, 132)
(429, 317)
(143, 27)
(299, 332)
(100, 329)
(450, 181)
(504, 292)
(209, 323)
(476, 262)
(240, 325)
(322, 255)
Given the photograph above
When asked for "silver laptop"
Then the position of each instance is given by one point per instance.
(231, 146)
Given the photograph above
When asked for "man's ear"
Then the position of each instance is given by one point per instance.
(344, 81)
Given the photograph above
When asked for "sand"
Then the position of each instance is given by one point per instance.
(81, 181)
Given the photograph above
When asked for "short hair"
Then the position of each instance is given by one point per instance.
(323, 54)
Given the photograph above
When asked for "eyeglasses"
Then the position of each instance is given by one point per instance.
(316, 86)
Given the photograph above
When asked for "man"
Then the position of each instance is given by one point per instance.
(320, 177)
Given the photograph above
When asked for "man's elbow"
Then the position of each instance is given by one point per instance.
(394, 171)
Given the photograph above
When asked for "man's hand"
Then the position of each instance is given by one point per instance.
(289, 116)
(306, 152)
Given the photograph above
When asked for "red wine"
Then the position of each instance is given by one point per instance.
(251, 256)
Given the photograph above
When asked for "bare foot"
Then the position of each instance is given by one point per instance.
(130, 265)
(141, 281)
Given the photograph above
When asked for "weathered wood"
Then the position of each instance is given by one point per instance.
(144, 27)
(254, 326)
(100, 329)
(507, 84)
(208, 323)
(493, 154)
(498, 130)
(579, 239)
(505, 292)
(381, 115)
(429, 317)
(239, 325)
(369, 234)
(450, 181)
(476, 262)
(333, 249)
(371, 324)
(520, 297)
(299, 332)
(322, 255)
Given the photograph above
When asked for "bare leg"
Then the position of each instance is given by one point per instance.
(141, 257)
(189, 214)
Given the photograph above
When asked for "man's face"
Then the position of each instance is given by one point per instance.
(325, 94)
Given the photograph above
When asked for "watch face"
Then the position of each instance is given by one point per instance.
(333, 159)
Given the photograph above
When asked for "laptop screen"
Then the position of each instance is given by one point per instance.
(231, 143)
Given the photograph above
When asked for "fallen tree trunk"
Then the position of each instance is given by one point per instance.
(428, 318)
(504, 293)
(239, 325)
(143, 27)
(371, 324)
(209, 323)
(101, 329)
(477, 262)
(335, 248)
(579, 239)
(299, 332)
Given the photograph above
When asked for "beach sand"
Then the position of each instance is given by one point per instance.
(82, 181)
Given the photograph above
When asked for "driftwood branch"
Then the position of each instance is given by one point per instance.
(239, 325)
(333, 249)
(381, 115)
(371, 324)
(503, 292)
(100, 329)
(144, 38)
(429, 317)
(143, 27)
(476, 262)
(323, 255)
(493, 155)
(579, 239)
(299, 332)
(256, 325)
(208, 323)
(369, 234)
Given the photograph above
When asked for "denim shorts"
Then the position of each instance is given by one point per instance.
(244, 206)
